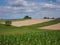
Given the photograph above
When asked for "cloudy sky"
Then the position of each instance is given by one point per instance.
(12, 9)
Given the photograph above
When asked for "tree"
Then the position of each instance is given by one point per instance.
(8, 23)
(27, 17)
(45, 17)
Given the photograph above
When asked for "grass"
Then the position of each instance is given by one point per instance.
(15, 30)
(29, 35)
(36, 38)
(3, 20)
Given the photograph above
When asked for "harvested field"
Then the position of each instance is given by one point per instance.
(29, 22)
(52, 27)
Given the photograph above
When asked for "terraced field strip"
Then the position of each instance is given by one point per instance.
(52, 27)
(29, 22)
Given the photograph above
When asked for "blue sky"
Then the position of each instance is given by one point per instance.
(12, 9)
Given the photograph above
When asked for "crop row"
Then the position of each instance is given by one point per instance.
(37, 38)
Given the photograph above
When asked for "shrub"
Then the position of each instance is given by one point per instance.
(8, 23)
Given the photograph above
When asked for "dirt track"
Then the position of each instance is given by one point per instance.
(52, 27)
(29, 22)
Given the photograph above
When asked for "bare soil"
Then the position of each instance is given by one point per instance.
(52, 27)
(29, 22)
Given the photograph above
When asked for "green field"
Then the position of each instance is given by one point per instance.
(3, 20)
(29, 35)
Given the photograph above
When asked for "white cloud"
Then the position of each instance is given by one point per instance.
(48, 5)
(19, 2)
(22, 7)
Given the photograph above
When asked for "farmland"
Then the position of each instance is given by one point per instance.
(52, 27)
(36, 38)
(29, 22)
(30, 35)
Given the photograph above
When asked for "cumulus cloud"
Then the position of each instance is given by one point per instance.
(19, 8)
(18, 3)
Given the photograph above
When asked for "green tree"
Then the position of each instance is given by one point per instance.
(8, 23)
(45, 17)
(27, 17)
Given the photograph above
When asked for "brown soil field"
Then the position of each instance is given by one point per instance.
(29, 22)
(52, 27)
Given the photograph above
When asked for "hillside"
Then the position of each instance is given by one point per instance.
(29, 22)
(30, 35)
(32, 28)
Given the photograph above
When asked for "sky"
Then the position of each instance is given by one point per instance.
(16, 9)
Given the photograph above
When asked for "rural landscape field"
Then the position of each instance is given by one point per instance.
(29, 22)
(30, 34)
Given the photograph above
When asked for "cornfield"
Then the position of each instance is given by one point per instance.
(36, 38)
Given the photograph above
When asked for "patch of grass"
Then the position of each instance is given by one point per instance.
(36, 38)
(15, 30)
(3, 20)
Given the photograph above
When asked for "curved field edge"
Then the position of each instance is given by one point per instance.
(51, 27)
(55, 21)
(36, 26)
(26, 29)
